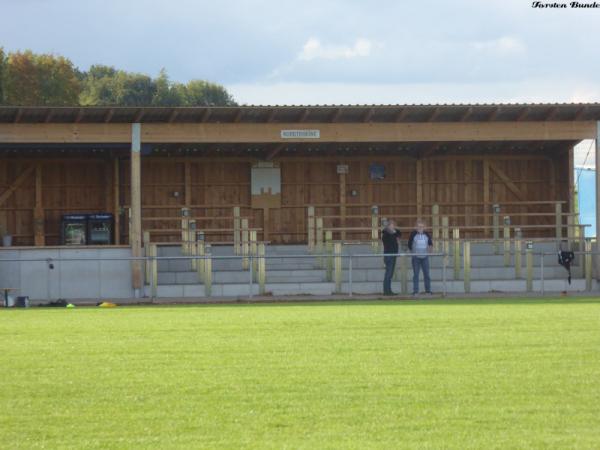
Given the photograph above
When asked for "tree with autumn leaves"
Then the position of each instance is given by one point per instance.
(29, 79)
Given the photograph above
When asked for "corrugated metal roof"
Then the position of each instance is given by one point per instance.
(477, 112)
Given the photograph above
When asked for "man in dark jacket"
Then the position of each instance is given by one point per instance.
(390, 237)
(420, 244)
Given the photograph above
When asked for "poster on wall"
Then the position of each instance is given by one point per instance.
(376, 171)
(266, 185)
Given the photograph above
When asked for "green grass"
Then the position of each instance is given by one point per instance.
(436, 374)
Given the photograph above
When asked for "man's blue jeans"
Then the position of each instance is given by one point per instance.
(417, 264)
(390, 265)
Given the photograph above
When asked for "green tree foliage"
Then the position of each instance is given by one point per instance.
(31, 79)
(48, 80)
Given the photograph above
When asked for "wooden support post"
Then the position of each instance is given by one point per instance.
(375, 229)
(435, 226)
(343, 204)
(187, 179)
(135, 230)
(486, 195)
(456, 252)
(153, 270)
(254, 253)
(445, 238)
(192, 242)
(337, 250)
(329, 252)
(506, 240)
(245, 245)
(310, 225)
(419, 176)
(200, 251)
(262, 268)
(588, 265)
(529, 265)
(467, 266)
(185, 220)
(558, 222)
(319, 243)
(496, 227)
(117, 200)
(147, 253)
(237, 232)
(518, 250)
(38, 212)
(207, 271)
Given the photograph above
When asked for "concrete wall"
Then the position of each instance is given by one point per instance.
(69, 279)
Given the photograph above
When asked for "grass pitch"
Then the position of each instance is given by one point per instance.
(435, 374)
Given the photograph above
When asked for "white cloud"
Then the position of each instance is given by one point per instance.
(314, 49)
(504, 44)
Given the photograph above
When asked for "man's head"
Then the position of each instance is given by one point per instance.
(420, 225)
(391, 224)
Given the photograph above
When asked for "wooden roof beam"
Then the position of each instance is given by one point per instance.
(368, 115)
(79, 116)
(336, 115)
(109, 115)
(551, 113)
(400, 115)
(435, 113)
(580, 112)
(18, 115)
(466, 114)
(275, 151)
(494, 114)
(304, 115)
(139, 115)
(205, 115)
(173, 115)
(271, 116)
(238, 116)
(524, 112)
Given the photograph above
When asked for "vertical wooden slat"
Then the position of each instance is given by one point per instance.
(135, 232)
(486, 195)
(117, 201)
(343, 203)
(419, 175)
(38, 212)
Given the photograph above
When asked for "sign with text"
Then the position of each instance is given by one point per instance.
(300, 134)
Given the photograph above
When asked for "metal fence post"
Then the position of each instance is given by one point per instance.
(403, 275)
(253, 252)
(558, 221)
(588, 265)
(262, 269)
(329, 252)
(496, 226)
(456, 251)
(208, 271)
(200, 251)
(445, 238)
(154, 270)
(467, 266)
(529, 265)
(542, 273)
(147, 264)
(192, 242)
(506, 238)
(337, 250)
(319, 238)
(350, 276)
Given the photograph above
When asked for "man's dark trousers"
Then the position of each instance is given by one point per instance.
(421, 263)
(390, 265)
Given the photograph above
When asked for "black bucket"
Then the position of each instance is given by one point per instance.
(22, 302)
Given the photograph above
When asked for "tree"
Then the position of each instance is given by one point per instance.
(205, 93)
(166, 93)
(106, 86)
(43, 80)
(2, 68)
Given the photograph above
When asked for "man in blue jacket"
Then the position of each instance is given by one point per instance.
(420, 244)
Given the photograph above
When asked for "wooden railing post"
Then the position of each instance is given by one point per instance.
(337, 250)
(192, 242)
(496, 226)
(467, 266)
(154, 270)
(200, 251)
(329, 252)
(185, 218)
(435, 226)
(506, 240)
(237, 231)
(319, 243)
(375, 228)
(445, 237)
(518, 249)
(456, 252)
(262, 268)
(529, 265)
(245, 248)
(147, 265)
(310, 225)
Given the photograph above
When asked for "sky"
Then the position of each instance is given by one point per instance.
(277, 52)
